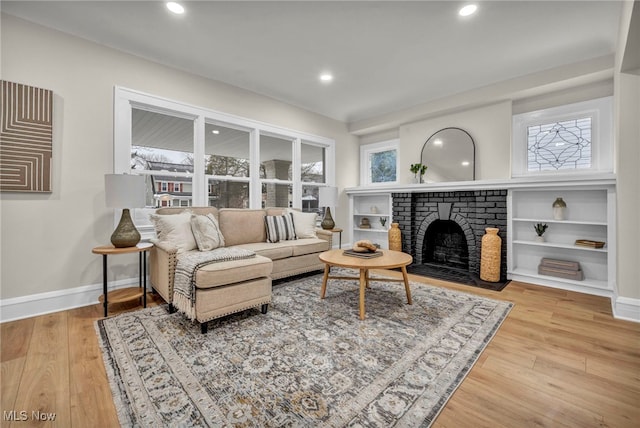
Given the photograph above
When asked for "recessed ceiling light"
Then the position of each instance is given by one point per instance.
(326, 77)
(437, 142)
(215, 131)
(465, 163)
(467, 10)
(175, 7)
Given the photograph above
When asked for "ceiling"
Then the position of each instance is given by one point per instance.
(385, 56)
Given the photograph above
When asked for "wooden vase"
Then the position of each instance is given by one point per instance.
(491, 254)
(395, 237)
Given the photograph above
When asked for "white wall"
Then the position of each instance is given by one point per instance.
(47, 238)
(627, 125)
(489, 126)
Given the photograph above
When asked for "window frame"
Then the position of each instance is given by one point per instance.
(126, 99)
(365, 165)
(600, 110)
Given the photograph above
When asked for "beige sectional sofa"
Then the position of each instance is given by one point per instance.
(225, 287)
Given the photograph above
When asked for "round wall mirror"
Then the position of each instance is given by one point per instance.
(450, 155)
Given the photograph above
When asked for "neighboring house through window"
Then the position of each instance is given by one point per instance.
(193, 156)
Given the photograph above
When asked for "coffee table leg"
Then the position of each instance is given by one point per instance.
(327, 268)
(363, 285)
(367, 278)
(406, 284)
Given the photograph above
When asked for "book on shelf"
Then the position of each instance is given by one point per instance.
(589, 243)
(366, 255)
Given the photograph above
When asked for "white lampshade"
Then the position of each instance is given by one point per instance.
(124, 190)
(328, 196)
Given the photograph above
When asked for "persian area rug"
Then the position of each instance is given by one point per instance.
(307, 362)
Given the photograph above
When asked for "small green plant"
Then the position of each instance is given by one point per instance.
(418, 168)
(383, 221)
(540, 228)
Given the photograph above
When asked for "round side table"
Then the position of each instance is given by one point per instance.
(124, 294)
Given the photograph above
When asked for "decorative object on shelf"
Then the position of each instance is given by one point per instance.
(540, 228)
(559, 208)
(589, 243)
(328, 197)
(364, 223)
(125, 191)
(374, 209)
(561, 268)
(418, 171)
(395, 237)
(383, 221)
(490, 255)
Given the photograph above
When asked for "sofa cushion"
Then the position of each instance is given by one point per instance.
(242, 226)
(175, 230)
(206, 232)
(279, 228)
(309, 246)
(274, 251)
(304, 224)
(223, 273)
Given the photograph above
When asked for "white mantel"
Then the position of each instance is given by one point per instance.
(548, 182)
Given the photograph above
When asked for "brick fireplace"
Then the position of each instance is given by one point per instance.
(445, 229)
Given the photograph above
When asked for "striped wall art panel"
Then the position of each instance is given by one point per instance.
(26, 135)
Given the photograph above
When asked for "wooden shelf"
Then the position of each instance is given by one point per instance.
(123, 295)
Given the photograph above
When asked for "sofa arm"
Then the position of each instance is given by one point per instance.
(162, 269)
(327, 235)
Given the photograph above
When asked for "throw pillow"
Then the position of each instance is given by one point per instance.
(206, 232)
(279, 228)
(175, 230)
(304, 224)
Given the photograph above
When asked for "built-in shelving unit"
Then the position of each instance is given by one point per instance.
(590, 214)
(373, 206)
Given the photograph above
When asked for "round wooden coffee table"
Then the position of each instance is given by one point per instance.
(389, 260)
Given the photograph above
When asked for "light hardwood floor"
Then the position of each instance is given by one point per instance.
(559, 359)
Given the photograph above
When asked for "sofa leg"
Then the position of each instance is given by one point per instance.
(172, 308)
(264, 308)
(204, 327)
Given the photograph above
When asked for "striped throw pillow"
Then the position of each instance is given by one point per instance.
(280, 228)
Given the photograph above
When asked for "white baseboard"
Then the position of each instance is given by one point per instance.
(53, 301)
(626, 308)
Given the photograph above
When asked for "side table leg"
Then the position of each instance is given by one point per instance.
(104, 283)
(144, 279)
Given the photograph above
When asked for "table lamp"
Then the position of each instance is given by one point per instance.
(328, 197)
(125, 191)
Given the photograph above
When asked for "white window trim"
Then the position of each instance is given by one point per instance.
(126, 99)
(601, 112)
(365, 166)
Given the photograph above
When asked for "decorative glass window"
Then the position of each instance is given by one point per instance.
(574, 138)
(559, 145)
(379, 163)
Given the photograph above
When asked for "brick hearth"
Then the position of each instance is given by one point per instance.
(473, 211)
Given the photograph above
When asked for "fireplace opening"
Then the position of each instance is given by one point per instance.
(445, 244)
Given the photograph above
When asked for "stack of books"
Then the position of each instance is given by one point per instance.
(362, 255)
(561, 269)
